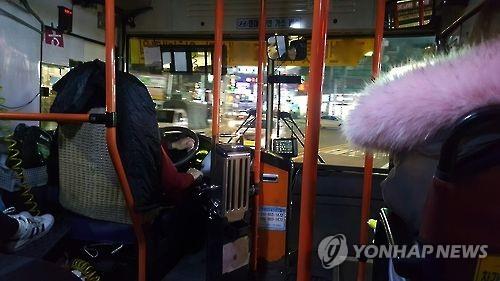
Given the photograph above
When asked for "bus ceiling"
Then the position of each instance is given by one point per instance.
(126, 5)
(195, 17)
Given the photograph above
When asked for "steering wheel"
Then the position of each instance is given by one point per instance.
(188, 133)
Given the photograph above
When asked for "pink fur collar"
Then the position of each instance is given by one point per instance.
(410, 104)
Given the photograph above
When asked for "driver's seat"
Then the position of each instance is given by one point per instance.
(92, 189)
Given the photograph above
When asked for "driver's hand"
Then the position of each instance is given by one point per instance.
(197, 175)
(184, 143)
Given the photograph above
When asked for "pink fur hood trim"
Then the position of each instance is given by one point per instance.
(409, 104)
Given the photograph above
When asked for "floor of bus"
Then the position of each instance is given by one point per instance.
(191, 268)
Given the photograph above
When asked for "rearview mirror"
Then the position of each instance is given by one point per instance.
(276, 47)
(291, 48)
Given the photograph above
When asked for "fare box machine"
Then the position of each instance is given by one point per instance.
(229, 242)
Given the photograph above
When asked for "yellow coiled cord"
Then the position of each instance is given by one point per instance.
(86, 269)
(16, 165)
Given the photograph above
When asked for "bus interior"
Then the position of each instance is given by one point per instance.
(103, 101)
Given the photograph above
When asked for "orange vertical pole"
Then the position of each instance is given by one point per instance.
(258, 130)
(219, 25)
(310, 165)
(368, 171)
(379, 36)
(111, 137)
(110, 56)
(421, 12)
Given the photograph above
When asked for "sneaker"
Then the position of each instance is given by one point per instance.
(30, 229)
(24, 214)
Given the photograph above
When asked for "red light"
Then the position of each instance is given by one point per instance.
(68, 11)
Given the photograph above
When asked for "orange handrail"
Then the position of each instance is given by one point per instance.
(258, 130)
(310, 165)
(219, 33)
(57, 117)
(368, 170)
(137, 219)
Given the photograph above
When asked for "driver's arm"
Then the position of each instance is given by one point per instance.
(173, 181)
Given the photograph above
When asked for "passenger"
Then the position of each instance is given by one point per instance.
(409, 112)
(19, 230)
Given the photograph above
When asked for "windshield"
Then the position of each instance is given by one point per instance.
(347, 72)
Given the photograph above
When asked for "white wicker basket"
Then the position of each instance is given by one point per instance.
(89, 185)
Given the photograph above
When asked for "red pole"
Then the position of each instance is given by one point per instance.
(379, 36)
(57, 117)
(368, 172)
(421, 12)
(258, 130)
(110, 56)
(396, 15)
(137, 220)
(308, 197)
(219, 25)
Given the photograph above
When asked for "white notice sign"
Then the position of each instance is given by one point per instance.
(272, 218)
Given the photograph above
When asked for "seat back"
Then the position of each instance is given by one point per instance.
(462, 206)
(89, 185)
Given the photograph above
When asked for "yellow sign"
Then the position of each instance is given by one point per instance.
(137, 46)
(339, 52)
(242, 53)
(488, 269)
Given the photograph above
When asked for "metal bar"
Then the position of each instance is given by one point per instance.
(309, 178)
(465, 16)
(270, 103)
(293, 133)
(421, 12)
(258, 131)
(57, 117)
(137, 220)
(296, 126)
(219, 25)
(321, 160)
(368, 170)
(396, 14)
(279, 110)
(241, 126)
(248, 127)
